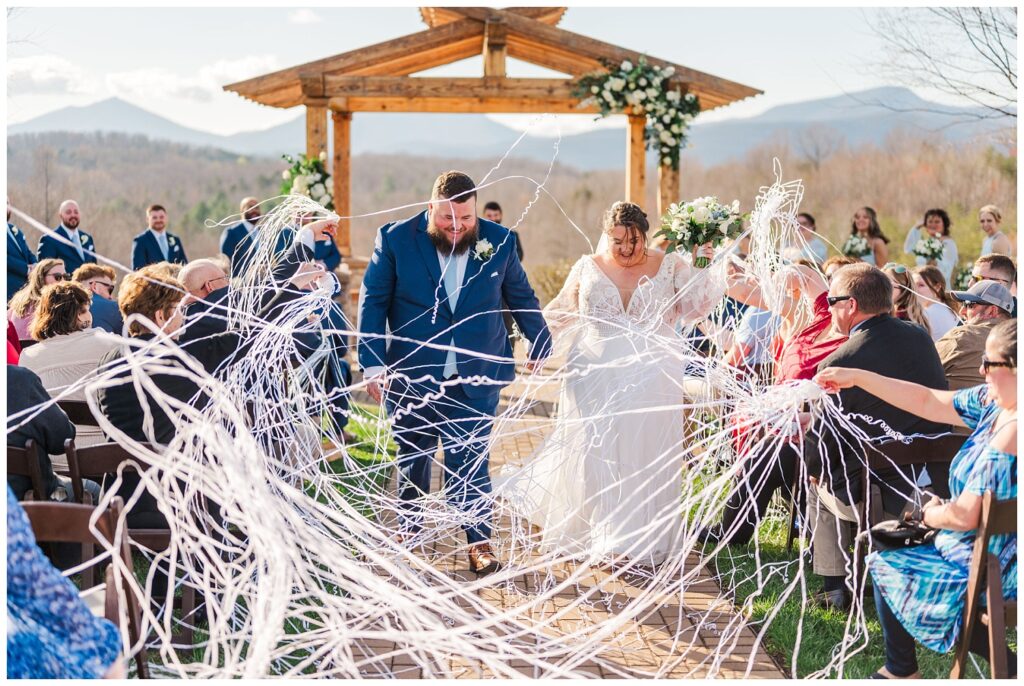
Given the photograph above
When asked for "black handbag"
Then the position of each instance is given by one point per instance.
(896, 534)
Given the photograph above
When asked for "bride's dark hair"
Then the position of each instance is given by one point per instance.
(630, 216)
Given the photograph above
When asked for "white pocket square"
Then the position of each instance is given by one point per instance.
(494, 274)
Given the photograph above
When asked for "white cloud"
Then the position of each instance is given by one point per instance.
(202, 87)
(46, 75)
(304, 16)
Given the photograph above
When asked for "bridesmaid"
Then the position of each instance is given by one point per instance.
(936, 224)
(989, 218)
(865, 224)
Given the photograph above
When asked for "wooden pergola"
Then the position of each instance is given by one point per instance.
(378, 78)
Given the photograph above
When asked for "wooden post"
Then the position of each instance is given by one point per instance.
(316, 130)
(342, 176)
(668, 187)
(495, 47)
(636, 158)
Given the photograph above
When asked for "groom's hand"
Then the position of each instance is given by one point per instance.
(376, 387)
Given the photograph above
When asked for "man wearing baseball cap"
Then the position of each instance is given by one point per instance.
(985, 304)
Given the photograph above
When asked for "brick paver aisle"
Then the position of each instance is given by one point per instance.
(661, 637)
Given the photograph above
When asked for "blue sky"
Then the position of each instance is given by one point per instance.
(173, 61)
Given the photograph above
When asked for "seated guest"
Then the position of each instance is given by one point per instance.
(997, 268)
(13, 344)
(100, 280)
(905, 303)
(22, 307)
(860, 298)
(20, 257)
(68, 349)
(51, 634)
(829, 266)
(939, 306)
(156, 243)
(49, 428)
(920, 592)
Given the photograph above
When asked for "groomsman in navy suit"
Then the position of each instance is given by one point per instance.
(69, 243)
(20, 257)
(156, 243)
(328, 253)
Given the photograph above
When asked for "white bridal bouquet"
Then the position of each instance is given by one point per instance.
(700, 221)
(856, 246)
(930, 248)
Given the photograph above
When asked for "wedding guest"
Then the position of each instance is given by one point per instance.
(905, 303)
(20, 257)
(832, 264)
(936, 224)
(68, 349)
(811, 246)
(13, 344)
(240, 242)
(865, 224)
(67, 241)
(995, 268)
(493, 213)
(51, 633)
(21, 309)
(860, 298)
(100, 280)
(939, 306)
(920, 592)
(989, 218)
(156, 243)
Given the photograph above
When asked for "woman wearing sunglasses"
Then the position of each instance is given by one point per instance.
(920, 591)
(21, 309)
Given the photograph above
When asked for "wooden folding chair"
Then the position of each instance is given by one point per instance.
(69, 523)
(96, 462)
(997, 517)
(78, 412)
(25, 462)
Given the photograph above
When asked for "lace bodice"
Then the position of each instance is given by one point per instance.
(677, 291)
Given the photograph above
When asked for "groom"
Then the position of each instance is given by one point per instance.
(435, 284)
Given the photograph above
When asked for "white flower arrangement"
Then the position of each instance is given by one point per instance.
(702, 220)
(929, 248)
(641, 88)
(856, 246)
(307, 176)
(483, 250)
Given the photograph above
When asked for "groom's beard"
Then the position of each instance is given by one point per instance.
(444, 246)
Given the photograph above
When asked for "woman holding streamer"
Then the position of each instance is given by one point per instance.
(607, 482)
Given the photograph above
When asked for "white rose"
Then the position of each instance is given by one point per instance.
(642, 81)
(668, 71)
(595, 89)
(323, 155)
(326, 199)
(300, 185)
(317, 190)
(700, 215)
(651, 93)
(639, 95)
(626, 65)
(285, 175)
(735, 206)
(673, 96)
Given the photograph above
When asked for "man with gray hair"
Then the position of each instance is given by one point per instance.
(860, 299)
(68, 242)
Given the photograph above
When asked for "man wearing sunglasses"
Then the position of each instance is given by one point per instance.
(860, 300)
(101, 280)
(985, 304)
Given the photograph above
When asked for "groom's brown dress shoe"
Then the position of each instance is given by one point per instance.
(482, 560)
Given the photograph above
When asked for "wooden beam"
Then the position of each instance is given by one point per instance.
(465, 105)
(342, 177)
(444, 87)
(636, 157)
(551, 58)
(495, 48)
(668, 187)
(316, 130)
(436, 16)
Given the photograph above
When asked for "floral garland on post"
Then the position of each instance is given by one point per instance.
(308, 177)
(640, 88)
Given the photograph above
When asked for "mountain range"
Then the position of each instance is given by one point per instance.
(858, 118)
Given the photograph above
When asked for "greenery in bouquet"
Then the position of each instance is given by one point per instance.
(856, 246)
(308, 177)
(703, 220)
(963, 278)
(642, 88)
(930, 248)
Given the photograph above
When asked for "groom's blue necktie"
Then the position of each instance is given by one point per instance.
(451, 286)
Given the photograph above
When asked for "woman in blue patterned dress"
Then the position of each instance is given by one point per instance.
(50, 632)
(920, 592)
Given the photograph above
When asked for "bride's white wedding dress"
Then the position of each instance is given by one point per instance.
(608, 480)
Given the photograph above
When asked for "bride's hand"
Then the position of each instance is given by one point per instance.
(706, 250)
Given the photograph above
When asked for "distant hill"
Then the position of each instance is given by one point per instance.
(866, 117)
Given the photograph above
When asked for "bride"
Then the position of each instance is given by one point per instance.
(608, 481)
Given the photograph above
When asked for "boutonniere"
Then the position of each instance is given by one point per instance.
(483, 249)
(172, 241)
(14, 229)
(83, 238)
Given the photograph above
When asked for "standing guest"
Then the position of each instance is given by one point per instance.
(156, 243)
(939, 305)
(936, 224)
(20, 257)
(51, 634)
(920, 592)
(905, 303)
(68, 349)
(810, 246)
(67, 242)
(865, 224)
(860, 298)
(327, 254)
(493, 213)
(989, 218)
(22, 307)
(100, 279)
(240, 242)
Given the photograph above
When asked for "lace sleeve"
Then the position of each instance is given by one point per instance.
(562, 312)
(697, 291)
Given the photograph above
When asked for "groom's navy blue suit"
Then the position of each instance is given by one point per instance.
(400, 291)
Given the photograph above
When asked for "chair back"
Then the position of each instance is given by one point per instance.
(95, 461)
(25, 462)
(919, 451)
(78, 412)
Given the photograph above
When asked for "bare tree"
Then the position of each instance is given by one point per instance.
(966, 52)
(817, 142)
